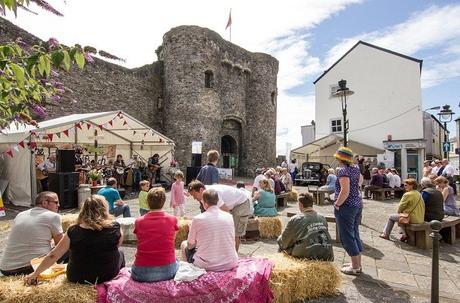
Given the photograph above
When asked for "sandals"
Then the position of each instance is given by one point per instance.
(403, 238)
(349, 270)
(383, 236)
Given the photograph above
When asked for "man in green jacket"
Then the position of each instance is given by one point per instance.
(306, 235)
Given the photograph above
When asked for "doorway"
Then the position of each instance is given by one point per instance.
(229, 151)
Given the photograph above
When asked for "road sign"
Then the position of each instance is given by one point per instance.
(446, 147)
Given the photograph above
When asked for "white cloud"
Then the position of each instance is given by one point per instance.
(133, 30)
(435, 27)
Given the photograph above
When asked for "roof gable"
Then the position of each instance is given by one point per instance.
(373, 46)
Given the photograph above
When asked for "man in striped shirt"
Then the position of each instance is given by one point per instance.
(211, 239)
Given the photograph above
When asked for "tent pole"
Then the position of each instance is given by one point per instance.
(33, 177)
(130, 150)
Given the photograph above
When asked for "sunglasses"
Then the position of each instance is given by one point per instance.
(53, 201)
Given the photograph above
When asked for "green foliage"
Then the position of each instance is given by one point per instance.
(94, 175)
(26, 81)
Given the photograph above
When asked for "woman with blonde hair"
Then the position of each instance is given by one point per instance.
(450, 205)
(265, 200)
(93, 245)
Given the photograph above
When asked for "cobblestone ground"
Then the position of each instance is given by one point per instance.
(392, 271)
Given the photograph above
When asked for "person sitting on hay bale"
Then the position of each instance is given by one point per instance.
(265, 201)
(232, 200)
(211, 240)
(116, 205)
(31, 235)
(155, 255)
(93, 244)
(306, 234)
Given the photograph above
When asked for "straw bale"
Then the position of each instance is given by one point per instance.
(182, 233)
(270, 227)
(291, 196)
(5, 226)
(13, 290)
(295, 280)
(67, 220)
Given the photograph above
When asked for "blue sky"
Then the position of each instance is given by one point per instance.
(305, 36)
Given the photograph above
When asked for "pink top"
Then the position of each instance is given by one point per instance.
(213, 234)
(155, 233)
(177, 193)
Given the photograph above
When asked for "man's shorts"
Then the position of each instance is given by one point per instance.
(240, 215)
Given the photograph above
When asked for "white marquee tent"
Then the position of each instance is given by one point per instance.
(116, 128)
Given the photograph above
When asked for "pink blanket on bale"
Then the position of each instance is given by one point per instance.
(249, 282)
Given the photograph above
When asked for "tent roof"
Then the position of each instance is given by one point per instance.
(332, 140)
(124, 129)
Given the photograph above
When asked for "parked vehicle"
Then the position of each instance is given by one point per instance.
(312, 173)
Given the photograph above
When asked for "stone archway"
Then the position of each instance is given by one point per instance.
(229, 151)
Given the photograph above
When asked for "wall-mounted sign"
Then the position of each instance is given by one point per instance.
(389, 145)
(196, 147)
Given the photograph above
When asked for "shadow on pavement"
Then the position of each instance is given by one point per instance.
(366, 286)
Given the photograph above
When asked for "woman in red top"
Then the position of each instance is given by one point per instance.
(155, 231)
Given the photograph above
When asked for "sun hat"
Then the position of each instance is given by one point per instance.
(344, 154)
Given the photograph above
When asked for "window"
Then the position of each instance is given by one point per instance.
(336, 125)
(273, 97)
(208, 79)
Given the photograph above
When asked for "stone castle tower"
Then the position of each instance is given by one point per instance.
(203, 88)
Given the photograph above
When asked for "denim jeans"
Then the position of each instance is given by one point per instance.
(137, 176)
(347, 220)
(154, 273)
(391, 222)
(118, 210)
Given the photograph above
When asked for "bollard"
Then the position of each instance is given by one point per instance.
(435, 228)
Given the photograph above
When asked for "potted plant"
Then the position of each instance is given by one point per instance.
(94, 176)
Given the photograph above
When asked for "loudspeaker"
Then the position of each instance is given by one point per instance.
(65, 161)
(65, 185)
(196, 160)
(192, 172)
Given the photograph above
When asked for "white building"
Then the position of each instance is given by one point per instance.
(308, 133)
(385, 110)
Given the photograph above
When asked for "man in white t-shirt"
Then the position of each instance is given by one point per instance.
(231, 200)
(211, 239)
(31, 235)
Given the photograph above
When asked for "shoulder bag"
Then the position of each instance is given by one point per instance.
(405, 218)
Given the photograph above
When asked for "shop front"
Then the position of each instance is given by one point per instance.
(408, 157)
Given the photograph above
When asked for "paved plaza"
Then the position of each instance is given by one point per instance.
(392, 271)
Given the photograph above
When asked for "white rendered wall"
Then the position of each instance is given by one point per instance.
(385, 86)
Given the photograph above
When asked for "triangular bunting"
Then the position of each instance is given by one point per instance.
(21, 144)
(78, 125)
(66, 132)
(145, 133)
(125, 123)
(16, 148)
(40, 136)
(9, 153)
(134, 132)
(88, 125)
(50, 136)
(111, 123)
(32, 145)
(71, 130)
(160, 140)
(58, 135)
(100, 126)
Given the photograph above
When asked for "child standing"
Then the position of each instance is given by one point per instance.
(178, 195)
(143, 206)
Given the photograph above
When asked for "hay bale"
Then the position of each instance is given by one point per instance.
(13, 290)
(291, 196)
(270, 227)
(67, 220)
(5, 226)
(294, 280)
(182, 233)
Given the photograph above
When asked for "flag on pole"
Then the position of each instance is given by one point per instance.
(229, 22)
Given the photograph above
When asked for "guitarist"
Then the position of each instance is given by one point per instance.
(119, 170)
(46, 167)
(154, 168)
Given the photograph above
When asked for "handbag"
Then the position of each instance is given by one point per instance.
(405, 218)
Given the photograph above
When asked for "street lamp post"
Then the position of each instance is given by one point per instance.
(445, 115)
(342, 93)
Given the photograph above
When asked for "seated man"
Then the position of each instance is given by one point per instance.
(232, 200)
(111, 194)
(211, 239)
(306, 235)
(31, 235)
(376, 182)
(433, 199)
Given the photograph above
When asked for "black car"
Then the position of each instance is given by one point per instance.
(312, 173)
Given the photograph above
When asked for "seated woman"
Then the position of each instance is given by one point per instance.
(266, 200)
(450, 205)
(330, 181)
(411, 203)
(155, 256)
(93, 245)
(306, 234)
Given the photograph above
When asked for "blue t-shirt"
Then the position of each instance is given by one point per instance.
(110, 194)
(330, 182)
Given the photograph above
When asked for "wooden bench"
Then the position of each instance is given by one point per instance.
(319, 195)
(379, 194)
(281, 200)
(419, 234)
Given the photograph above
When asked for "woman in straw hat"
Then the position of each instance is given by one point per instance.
(93, 245)
(347, 209)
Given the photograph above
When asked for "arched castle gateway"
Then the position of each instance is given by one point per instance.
(203, 88)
